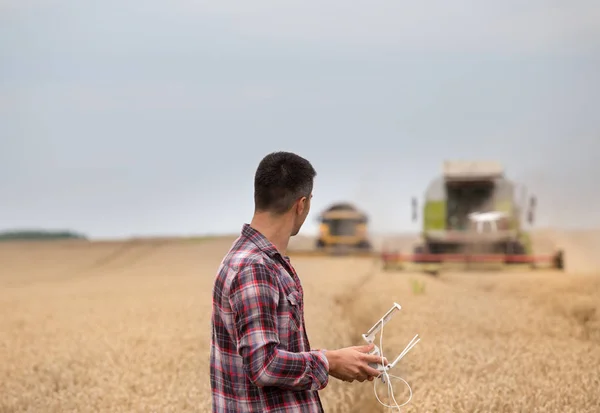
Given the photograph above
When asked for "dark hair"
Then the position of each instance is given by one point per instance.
(280, 180)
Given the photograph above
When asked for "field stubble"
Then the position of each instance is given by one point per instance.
(83, 333)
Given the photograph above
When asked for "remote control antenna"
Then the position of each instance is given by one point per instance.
(370, 335)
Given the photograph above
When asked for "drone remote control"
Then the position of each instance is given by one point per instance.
(369, 337)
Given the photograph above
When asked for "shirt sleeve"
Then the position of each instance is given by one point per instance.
(254, 296)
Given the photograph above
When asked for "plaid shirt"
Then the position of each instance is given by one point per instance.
(260, 358)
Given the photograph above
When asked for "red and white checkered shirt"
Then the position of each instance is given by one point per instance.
(260, 358)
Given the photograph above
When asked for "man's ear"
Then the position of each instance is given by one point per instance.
(301, 205)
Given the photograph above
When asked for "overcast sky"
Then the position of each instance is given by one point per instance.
(147, 117)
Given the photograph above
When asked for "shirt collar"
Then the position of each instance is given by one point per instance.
(260, 241)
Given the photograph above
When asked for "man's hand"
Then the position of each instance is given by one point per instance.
(352, 363)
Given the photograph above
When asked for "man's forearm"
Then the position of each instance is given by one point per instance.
(270, 366)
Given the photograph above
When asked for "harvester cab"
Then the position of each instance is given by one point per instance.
(472, 216)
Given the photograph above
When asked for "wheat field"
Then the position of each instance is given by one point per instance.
(125, 327)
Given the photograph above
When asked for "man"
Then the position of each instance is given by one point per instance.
(261, 359)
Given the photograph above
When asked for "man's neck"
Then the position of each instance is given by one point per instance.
(276, 230)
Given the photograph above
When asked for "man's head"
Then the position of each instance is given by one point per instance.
(283, 186)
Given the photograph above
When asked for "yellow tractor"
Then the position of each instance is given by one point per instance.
(342, 231)
(342, 227)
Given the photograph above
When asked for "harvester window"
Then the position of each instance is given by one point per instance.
(465, 198)
(341, 227)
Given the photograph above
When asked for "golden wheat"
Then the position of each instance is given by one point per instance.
(126, 328)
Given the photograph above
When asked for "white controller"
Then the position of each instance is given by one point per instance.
(369, 337)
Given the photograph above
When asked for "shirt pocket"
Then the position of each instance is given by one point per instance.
(294, 310)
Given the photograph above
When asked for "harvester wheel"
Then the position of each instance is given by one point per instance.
(428, 249)
(364, 245)
(558, 261)
(419, 250)
(515, 248)
(320, 244)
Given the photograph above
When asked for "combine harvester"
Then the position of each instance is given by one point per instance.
(472, 220)
(342, 231)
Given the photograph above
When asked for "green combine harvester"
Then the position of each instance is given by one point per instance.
(473, 218)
